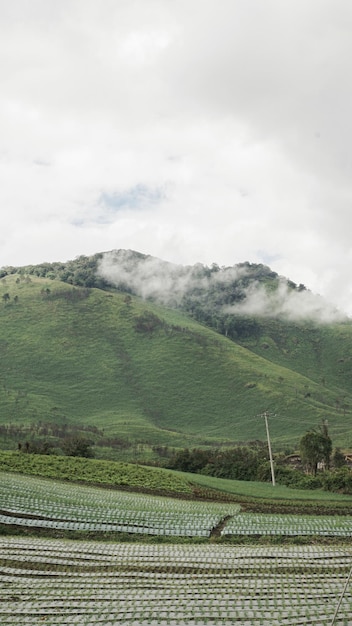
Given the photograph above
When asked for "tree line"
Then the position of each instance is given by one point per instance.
(318, 466)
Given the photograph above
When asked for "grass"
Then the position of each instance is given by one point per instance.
(254, 489)
(75, 356)
(320, 352)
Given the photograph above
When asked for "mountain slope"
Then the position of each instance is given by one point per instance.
(148, 373)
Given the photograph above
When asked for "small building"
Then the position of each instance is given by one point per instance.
(293, 460)
(348, 460)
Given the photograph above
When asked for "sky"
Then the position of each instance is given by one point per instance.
(211, 131)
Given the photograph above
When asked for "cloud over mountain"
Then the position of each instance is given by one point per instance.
(231, 290)
(286, 303)
(193, 131)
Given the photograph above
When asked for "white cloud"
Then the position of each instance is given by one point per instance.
(237, 112)
(150, 277)
(286, 303)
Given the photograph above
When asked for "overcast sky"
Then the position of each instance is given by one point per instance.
(192, 130)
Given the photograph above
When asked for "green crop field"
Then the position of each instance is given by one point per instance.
(31, 502)
(164, 561)
(30, 497)
(65, 582)
(36, 503)
(95, 471)
(113, 474)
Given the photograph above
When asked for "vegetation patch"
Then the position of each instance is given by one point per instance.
(93, 471)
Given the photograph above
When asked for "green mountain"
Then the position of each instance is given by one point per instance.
(127, 347)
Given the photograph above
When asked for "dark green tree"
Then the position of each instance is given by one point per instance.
(316, 447)
(338, 458)
(78, 446)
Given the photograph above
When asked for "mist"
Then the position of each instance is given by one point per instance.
(151, 278)
(287, 304)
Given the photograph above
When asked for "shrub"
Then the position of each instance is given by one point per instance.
(338, 481)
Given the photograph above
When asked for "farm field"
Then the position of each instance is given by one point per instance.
(105, 473)
(32, 502)
(160, 481)
(60, 582)
(164, 561)
(289, 525)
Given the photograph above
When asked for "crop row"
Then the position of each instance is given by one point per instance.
(42, 503)
(66, 582)
(31, 501)
(264, 524)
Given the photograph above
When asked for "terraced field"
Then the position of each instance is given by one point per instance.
(33, 502)
(67, 582)
(62, 582)
(289, 525)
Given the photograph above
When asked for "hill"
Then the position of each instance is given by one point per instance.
(147, 368)
(122, 368)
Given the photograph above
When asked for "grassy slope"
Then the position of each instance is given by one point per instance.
(321, 352)
(183, 384)
(266, 491)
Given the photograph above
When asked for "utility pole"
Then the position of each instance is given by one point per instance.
(266, 415)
